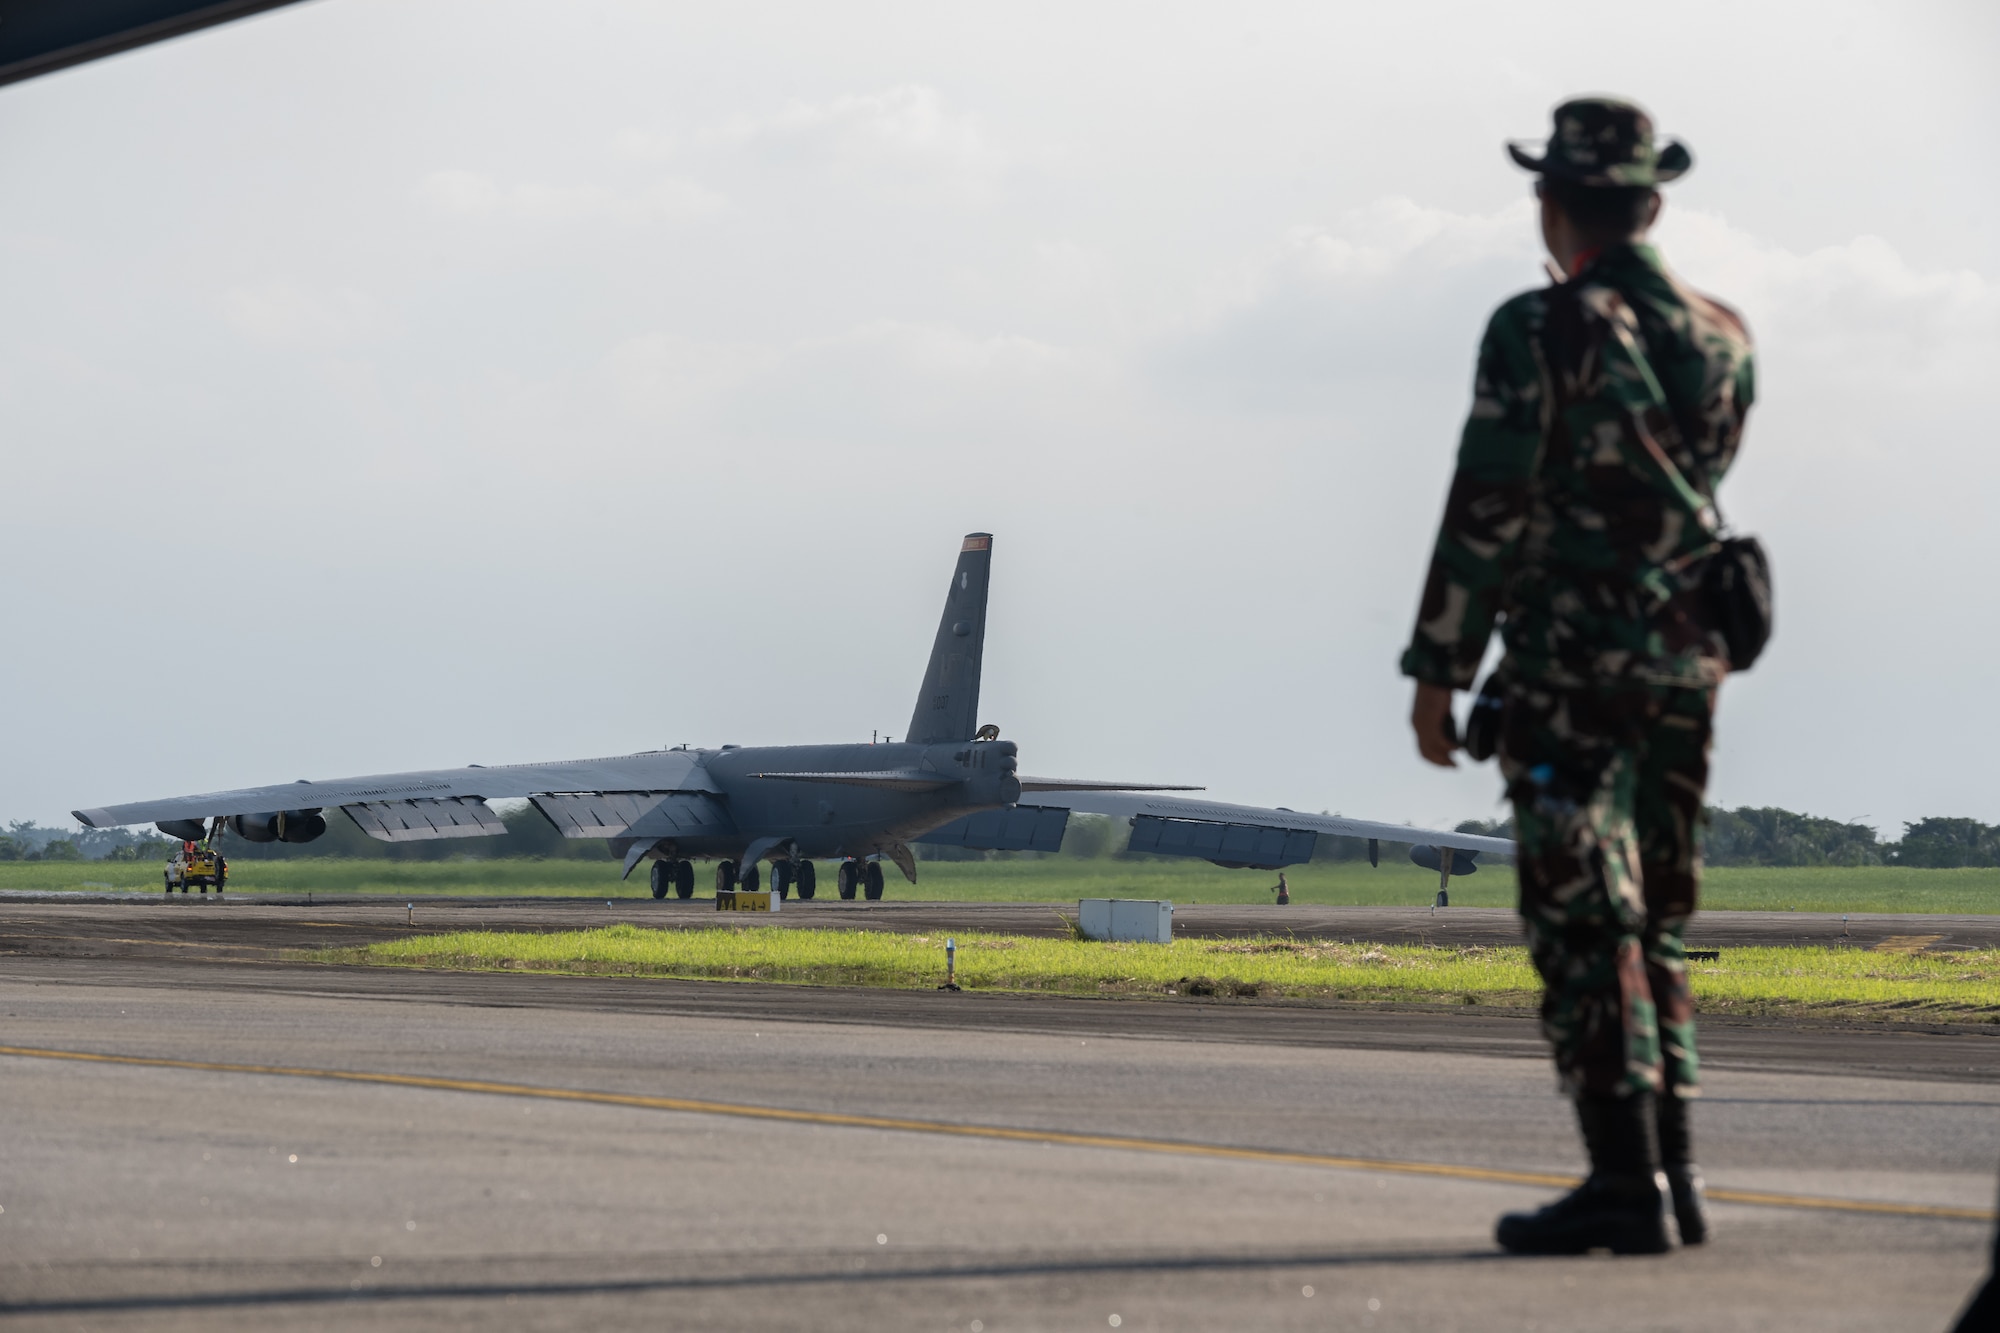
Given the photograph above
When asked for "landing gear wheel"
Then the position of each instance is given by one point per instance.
(872, 881)
(725, 876)
(683, 879)
(750, 878)
(781, 878)
(849, 875)
(808, 882)
(663, 877)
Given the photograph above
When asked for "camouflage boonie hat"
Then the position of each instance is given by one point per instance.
(1603, 141)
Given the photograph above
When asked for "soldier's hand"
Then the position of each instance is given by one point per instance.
(1437, 733)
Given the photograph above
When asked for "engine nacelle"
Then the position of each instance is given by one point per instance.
(300, 825)
(255, 828)
(1462, 862)
(279, 826)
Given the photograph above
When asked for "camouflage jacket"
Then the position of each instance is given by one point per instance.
(1559, 525)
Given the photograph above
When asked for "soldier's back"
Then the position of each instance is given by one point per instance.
(1606, 586)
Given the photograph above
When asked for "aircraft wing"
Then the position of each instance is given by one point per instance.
(443, 802)
(1230, 835)
(41, 38)
(1094, 784)
(1218, 812)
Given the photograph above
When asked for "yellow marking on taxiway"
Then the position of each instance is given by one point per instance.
(1906, 943)
(171, 944)
(1170, 1147)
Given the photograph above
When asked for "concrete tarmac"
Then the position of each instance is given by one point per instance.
(168, 1197)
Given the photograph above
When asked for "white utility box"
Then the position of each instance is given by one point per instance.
(1148, 920)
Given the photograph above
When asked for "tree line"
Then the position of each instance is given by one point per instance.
(1770, 836)
(1745, 836)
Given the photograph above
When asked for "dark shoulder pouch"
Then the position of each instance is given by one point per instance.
(1736, 589)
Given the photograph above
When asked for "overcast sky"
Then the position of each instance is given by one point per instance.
(404, 384)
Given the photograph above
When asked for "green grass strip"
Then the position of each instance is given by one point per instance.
(1961, 985)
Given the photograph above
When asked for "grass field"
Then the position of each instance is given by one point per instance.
(1864, 889)
(1960, 986)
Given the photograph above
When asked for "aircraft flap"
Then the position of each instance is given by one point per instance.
(1019, 828)
(422, 820)
(632, 814)
(1226, 844)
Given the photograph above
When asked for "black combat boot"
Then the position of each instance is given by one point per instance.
(1621, 1206)
(1683, 1176)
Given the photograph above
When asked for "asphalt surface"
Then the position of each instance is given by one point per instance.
(165, 1196)
(246, 927)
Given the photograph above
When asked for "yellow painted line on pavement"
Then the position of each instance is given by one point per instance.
(1170, 1147)
(171, 944)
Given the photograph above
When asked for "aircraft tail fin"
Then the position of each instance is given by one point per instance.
(948, 704)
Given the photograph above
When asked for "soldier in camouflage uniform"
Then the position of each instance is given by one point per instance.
(1563, 529)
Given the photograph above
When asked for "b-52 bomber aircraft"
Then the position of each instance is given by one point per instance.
(949, 781)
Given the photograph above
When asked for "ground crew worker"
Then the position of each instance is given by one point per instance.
(1559, 528)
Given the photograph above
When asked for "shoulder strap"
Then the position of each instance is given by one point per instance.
(1700, 506)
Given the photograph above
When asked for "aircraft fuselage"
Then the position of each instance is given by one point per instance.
(828, 805)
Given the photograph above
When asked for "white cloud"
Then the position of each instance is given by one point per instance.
(469, 194)
(1396, 288)
(1861, 302)
(904, 137)
(288, 312)
(904, 384)
(1382, 292)
(1384, 239)
(664, 376)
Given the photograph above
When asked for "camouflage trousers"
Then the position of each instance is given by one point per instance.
(1607, 786)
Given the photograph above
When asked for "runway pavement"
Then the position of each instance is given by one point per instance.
(546, 1152)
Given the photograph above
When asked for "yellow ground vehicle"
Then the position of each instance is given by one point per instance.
(197, 864)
